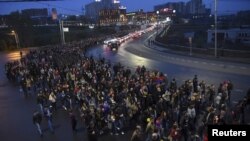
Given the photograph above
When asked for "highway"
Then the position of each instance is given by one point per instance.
(137, 52)
(16, 111)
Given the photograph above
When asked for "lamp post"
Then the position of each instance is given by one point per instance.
(16, 38)
(61, 32)
(190, 43)
(215, 28)
(157, 22)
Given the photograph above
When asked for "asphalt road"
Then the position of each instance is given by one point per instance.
(134, 53)
(16, 111)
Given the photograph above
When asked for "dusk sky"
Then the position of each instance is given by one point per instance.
(75, 6)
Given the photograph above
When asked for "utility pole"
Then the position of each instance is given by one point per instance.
(60, 27)
(13, 32)
(190, 44)
(157, 22)
(63, 37)
(61, 32)
(215, 28)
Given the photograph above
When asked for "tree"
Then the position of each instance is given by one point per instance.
(22, 25)
(3, 45)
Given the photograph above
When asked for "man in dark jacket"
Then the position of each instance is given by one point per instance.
(37, 119)
(73, 121)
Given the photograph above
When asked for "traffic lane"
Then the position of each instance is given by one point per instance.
(144, 40)
(138, 48)
(139, 58)
(180, 72)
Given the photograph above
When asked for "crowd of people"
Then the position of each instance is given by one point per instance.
(114, 99)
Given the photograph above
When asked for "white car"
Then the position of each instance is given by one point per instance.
(109, 40)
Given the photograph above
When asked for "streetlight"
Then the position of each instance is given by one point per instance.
(190, 43)
(16, 38)
(62, 32)
(157, 12)
(215, 28)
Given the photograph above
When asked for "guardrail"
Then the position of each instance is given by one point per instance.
(207, 51)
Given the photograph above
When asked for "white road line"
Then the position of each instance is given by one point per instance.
(235, 102)
(231, 66)
(196, 62)
(243, 68)
(238, 90)
(204, 62)
(222, 65)
(213, 64)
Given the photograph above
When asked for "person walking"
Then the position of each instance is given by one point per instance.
(40, 101)
(137, 134)
(73, 121)
(37, 119)
(48, 115)
(92, 134)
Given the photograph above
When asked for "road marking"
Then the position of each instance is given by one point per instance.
(235, 102)
(244, 68)
(231, 66)
(196, 62)
(204, 62)
(238, 90)
(213, 64)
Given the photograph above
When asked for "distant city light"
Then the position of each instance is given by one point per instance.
(168, 19)
(116, 1)
(97, 0)
(91, 26)
(122, 7)
(174, 11)
(165, 9)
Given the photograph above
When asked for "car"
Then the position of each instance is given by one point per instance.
(113, 45)
(110, 40)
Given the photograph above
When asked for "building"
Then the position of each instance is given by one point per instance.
(33, 13)
(192, 7)
(93, 9)
(171, 7)
(54, 14)
(112, 16)
(196, 7)
(38, 16)
(140, 17)
(236, 35)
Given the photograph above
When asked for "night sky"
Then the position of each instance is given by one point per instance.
(76, 6)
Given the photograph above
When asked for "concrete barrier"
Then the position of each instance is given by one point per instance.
(207, 51)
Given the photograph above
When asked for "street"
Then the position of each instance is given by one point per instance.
(16, 111)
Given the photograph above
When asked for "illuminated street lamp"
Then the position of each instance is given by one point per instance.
(157, 12)
(16, 38)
